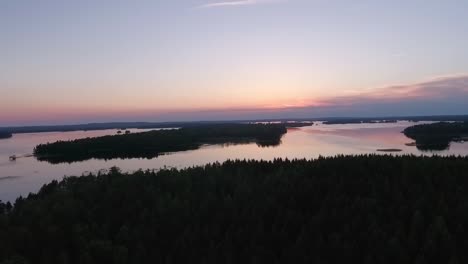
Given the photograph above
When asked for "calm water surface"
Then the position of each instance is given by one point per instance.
(26, 174)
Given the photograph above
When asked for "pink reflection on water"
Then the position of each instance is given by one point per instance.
(388, 136)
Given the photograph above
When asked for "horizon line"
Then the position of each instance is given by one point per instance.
(324, 118)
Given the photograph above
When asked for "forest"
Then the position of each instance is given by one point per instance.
(344, 209)
(4, 135)
(437, 136)
(157, 142)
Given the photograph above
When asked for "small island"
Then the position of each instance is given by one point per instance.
(4, 135)
(154, 143)
(437, 136)
(390, 150)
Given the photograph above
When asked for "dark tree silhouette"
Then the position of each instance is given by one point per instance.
(346, 209)
(4, 135)
(437, 136)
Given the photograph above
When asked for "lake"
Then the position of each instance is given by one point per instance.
(27, 174)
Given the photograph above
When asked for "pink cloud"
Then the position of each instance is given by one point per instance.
(437, 88)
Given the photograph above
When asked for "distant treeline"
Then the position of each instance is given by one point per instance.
(391, 119)
(437, 136)
(92, 126)
(358, 121)
(297, 124)
(440, 118)
(149, 125)
(4, 135)
(346, 209)
(140, 125)
(153, 143)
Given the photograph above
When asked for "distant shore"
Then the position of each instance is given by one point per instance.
(154, 125)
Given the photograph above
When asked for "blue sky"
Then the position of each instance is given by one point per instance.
(85, 61)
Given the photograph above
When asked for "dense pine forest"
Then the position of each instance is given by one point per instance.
(437, 136)
(345, 209)
(154, 143)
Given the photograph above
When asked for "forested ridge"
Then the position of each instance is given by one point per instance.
(437, 136)
(344, 209)
(154, 143)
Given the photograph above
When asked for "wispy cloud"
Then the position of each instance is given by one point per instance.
(442, 95)
(440, 87)
(446, 95)
(236, 3)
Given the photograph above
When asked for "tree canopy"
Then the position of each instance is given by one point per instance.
(344, 209)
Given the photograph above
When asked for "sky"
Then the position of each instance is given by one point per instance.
(64, 61)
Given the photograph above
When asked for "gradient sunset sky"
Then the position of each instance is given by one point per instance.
(65, 62)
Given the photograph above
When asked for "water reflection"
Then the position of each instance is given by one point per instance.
(27, 174)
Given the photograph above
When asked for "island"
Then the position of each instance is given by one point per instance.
(437, 136)
(344, 209)
(154, 143)
(389, 150)
(4, 135)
